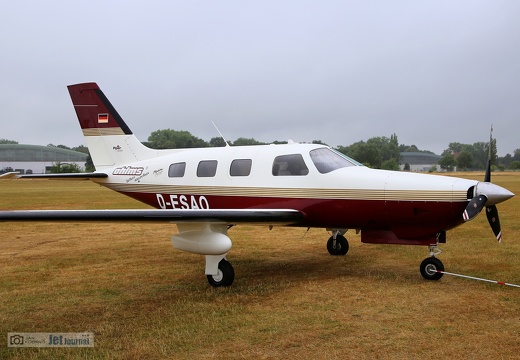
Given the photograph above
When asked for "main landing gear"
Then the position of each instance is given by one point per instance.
(431, 266)
(225, 275)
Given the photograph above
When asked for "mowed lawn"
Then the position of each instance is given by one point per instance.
(145, 300)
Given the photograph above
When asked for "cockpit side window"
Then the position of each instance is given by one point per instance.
(327, 160)
(290, 165)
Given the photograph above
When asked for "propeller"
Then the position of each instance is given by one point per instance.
(494, 221)
(487, 194)
(474, 207)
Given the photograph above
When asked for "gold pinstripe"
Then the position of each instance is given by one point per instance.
(305, 193)
(103, 131)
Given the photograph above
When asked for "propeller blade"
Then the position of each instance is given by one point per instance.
(487, 177)
(474, 207)
(492, 216)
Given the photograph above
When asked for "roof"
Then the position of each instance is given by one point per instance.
(21, 152)
(419, 158)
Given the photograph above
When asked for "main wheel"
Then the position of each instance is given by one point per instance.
(225, 276)
(429, 268)
(341, 246)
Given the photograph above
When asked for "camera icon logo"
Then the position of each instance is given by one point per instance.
(16, 340)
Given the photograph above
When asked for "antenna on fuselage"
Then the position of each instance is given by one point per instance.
(222, 136)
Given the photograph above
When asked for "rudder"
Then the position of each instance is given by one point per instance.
(108, 137)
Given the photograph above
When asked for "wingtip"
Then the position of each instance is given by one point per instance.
(10, 175)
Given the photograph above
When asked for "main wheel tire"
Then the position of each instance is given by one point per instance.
(225, 276)
(430, 267)
(341, 247)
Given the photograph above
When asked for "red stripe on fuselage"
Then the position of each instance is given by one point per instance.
(407, 219)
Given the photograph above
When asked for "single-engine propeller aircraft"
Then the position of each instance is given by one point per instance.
(205, 191)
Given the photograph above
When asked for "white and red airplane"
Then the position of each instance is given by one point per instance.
(205, 191)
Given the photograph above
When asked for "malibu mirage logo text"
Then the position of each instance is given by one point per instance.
(128, 170)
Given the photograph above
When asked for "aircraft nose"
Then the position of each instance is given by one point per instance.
(495, 194)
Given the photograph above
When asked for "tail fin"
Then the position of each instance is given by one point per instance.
(109, 139)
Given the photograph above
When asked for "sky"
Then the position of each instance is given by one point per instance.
(432, 72)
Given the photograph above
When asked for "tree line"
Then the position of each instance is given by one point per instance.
(377, 152)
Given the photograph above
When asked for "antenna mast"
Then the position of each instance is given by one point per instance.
(222, 136)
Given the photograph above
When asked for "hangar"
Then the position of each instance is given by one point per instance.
(419, 161)
(36, 159)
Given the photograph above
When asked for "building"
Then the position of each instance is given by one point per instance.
(419, 161)
(36, 159)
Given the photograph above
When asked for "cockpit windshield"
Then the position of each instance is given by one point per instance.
(327, 160)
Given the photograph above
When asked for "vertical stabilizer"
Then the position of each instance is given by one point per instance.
(109, 139)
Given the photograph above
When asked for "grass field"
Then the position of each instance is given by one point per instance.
(145, 300)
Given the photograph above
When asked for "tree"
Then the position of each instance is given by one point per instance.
(465, 160)
(375, 152)
(516, 155)
(390, 164)
(245, 142)
(217, 142)
(89, 164)
(6, 141)
(515, 165)
(365, 153)
(447, 161)
(81, 148)
(65, 168)
(455, 147)
(172, 139)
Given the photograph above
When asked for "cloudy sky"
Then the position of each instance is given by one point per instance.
(433, 72)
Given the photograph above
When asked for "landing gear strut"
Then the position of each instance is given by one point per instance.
(337, 244)
(431, 266)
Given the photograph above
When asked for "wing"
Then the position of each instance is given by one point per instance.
(252, 216)
(64, 176)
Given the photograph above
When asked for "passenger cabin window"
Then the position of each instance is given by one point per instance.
(240, 167)
(207, 168)
(177, 170)
(327, 160)
(289, 165)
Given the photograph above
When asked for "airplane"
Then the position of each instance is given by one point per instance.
(206, 191)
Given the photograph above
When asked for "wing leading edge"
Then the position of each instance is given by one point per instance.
(62, 176)
(253, 216)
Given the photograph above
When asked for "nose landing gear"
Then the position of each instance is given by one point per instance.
(431, 266)
(337, 243)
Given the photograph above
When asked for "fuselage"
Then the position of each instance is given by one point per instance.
(331, 190)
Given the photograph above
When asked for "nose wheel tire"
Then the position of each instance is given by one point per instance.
(338, 246)
(430, 267)
(225, 276)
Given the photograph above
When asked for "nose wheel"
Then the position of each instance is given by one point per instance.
(431, 266)
(337, 244)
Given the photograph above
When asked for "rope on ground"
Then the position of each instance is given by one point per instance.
(480, 279)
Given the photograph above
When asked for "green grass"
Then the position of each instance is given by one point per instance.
(144, 299)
